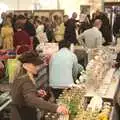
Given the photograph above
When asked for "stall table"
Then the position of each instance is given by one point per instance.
(108, 94)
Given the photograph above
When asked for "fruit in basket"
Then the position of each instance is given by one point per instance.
(87, 115)
(73, 99)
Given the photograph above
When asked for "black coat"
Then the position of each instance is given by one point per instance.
(106, 28)
(116, 25)
(30, 29)
(70, 32)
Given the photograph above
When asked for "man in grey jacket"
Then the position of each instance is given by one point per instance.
(92, 38)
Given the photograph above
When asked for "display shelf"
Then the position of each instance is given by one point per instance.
(108, 88)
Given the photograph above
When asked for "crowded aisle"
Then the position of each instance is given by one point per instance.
(57, 66)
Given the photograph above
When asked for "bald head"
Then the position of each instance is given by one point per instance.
(98, 23)
(74, 15)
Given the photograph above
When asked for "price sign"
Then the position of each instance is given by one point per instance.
(50, 48)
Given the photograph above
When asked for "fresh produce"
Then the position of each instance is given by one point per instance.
(104, 115)
(95, 103)
(73, 99)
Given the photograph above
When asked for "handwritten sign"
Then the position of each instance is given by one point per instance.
(48, 48)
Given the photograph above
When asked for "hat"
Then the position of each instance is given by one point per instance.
(31, 57)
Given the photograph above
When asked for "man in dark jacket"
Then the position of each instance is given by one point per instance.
(29, 28)
(106, 27)
(70, 29)
(116, 26)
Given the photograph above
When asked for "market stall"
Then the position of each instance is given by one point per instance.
(93, 98)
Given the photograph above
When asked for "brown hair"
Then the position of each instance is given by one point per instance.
(38, 21)
(6, 22)
(19, 26)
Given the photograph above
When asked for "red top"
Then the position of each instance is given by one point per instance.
(21, 38)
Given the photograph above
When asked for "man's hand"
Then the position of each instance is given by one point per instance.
(62, 110)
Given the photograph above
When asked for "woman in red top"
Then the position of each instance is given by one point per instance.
(21, 38)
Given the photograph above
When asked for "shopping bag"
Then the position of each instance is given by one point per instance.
(2, 72)
(13, 68)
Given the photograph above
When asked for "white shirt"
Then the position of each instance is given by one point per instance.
(93, 38)
(61, 69)
(40, 29)
(40, 34)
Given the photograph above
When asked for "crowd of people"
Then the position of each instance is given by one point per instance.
(20, 31)
(17, 30)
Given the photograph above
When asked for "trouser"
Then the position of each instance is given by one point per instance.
(57, 92)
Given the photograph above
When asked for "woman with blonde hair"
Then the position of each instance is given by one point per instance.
(59, 30)
(7, 34)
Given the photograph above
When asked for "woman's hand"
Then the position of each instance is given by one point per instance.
(42, 93)
(62, 110)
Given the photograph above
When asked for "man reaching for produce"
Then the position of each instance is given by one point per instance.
(63, 69)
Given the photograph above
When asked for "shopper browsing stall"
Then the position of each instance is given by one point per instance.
(63, 69)
(21, 37)
(70, 29)
(92, 38)
(25, 99)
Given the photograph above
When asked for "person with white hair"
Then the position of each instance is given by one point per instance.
(92, 38)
